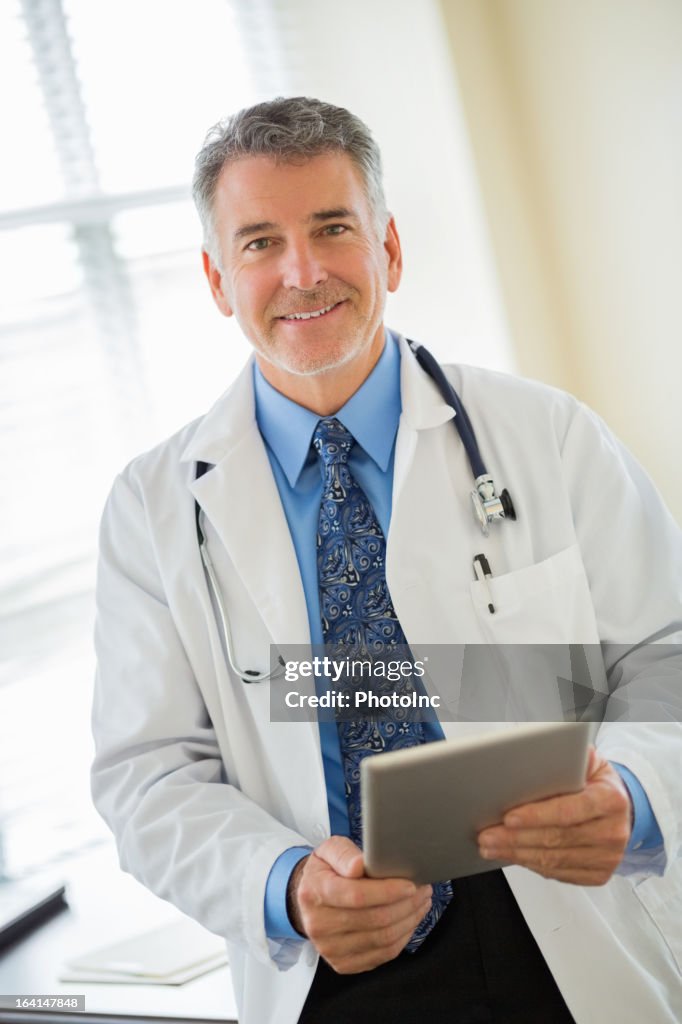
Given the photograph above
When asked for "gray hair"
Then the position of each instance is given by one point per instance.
(288, 130)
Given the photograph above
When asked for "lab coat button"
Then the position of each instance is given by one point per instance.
(320, 833)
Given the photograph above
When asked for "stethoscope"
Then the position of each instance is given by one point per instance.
(488, 506)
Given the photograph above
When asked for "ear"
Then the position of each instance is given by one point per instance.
(395, 256)
(215, 282)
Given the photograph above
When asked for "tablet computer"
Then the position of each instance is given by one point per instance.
(424, 806)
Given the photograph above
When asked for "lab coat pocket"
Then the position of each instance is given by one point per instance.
(662, 900)
(545, 603)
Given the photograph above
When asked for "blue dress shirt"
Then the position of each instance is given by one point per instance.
(371, 415)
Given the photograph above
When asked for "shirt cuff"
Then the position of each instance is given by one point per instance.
(646, 835)
(277, 923)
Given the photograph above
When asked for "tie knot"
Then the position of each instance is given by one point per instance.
(332, 441)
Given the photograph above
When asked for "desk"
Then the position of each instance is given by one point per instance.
(105, 906)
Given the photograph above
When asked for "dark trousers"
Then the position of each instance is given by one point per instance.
(479, 965)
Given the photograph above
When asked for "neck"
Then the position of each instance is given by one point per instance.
(327, 392)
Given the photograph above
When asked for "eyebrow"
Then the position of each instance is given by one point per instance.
(336, 213)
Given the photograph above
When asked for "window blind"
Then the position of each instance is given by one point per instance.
(99, 258)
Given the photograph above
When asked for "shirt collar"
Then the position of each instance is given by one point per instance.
(371, 415)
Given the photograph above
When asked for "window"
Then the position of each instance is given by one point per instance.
(108, 339)
(103, 311)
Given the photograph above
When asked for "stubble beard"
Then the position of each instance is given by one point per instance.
(311, 361)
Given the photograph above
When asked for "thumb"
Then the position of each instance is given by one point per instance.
(595, 764)
(343, 856)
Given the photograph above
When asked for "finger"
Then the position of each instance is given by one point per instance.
(582, 862)
(562, 811)
(321, 886)
(598, 800)
(582, 876)
(353, 953)
(604, 793)
(591, 833)
(375, 919)
(342, 855)
(359, 930)
(594, 762)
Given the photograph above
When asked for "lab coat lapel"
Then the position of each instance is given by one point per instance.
(240, 498)
(424, 539)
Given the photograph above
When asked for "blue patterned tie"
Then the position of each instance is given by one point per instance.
(359, 621)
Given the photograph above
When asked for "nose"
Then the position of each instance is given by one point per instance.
(301, 266)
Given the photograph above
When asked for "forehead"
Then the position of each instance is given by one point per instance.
(261, 189)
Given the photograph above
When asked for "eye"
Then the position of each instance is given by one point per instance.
(258, 244)
(335, 229)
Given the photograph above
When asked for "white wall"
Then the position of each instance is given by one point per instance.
(575, 112)
(389, 62)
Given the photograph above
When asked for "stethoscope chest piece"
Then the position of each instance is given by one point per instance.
(490, 507)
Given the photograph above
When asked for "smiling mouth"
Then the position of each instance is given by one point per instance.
(313, 314)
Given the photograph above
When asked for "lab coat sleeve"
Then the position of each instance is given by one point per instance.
(158, 778)
(632, 551)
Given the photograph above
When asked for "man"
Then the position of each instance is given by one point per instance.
(248, 824)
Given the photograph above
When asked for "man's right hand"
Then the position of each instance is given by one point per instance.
(354, 922)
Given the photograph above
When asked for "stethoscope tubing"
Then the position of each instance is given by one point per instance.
(466, 432)
(464, 428)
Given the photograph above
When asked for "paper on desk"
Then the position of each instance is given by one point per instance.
(169, 955)
(112, 978)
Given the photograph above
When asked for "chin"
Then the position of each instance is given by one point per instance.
(313, 363)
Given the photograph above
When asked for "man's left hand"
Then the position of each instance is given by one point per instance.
(578, 838)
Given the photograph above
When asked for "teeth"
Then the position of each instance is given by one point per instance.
(309, 316)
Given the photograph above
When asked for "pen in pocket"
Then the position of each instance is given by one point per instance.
(483, 574)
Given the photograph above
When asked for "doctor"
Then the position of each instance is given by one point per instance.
(243, 822)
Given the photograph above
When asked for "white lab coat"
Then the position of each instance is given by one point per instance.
(203, 792)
